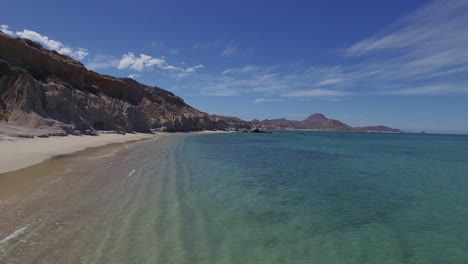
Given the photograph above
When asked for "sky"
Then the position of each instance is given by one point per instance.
(398, 63)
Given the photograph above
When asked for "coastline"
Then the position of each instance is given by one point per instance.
(43, 173)
(19, 153)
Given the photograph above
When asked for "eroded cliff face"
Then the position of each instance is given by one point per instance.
(45, 93)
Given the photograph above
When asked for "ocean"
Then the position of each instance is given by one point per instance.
(292, 197)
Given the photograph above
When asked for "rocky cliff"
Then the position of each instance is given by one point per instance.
(46, 93)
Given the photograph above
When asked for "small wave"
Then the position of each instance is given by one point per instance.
(132, 172)
(106, 155)
(14, 235)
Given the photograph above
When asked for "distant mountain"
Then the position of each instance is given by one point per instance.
(319, 121)
(316, 121)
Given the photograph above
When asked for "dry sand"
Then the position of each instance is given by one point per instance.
(17, 153)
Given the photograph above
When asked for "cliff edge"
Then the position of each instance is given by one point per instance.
(45, 93)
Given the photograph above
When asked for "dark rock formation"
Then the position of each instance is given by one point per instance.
(256, 130)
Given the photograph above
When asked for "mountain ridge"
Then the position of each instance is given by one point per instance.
(317, 121)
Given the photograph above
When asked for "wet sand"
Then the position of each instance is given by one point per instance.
(77, 208)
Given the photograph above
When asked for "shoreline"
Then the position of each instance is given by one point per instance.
(65, 207)
(19, 153)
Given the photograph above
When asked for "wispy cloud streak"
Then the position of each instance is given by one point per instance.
(146, 62)
(427, 47)
(268, 100)
(267, 81)
(424, 53)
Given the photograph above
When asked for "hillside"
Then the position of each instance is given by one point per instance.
(316, 121)
(46, 93)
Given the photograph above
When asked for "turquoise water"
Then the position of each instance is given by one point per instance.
(316, 197)
(325, 197)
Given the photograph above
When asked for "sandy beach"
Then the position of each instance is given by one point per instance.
(18, 153)
(44, 205)
(56, 189)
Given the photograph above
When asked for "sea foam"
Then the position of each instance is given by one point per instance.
(14, 235)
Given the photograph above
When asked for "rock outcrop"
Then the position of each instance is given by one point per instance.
(226, 122)
(44, 92)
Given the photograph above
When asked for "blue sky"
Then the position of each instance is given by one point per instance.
(398, 63)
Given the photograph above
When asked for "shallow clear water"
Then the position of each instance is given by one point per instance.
(324, 197)
(311, 197)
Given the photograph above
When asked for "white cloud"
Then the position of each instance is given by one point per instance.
(232, 49)
(76, 53)
(330, 82)
(134, 75)
(435, 89)
(146, 62)
(170, 67)
(268, 100)
(6, 30)
(245, 69)
(129, 60)
(101, 62)
(316, 93)
(194, 68)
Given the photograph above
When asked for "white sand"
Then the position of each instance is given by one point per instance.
(17, 153)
